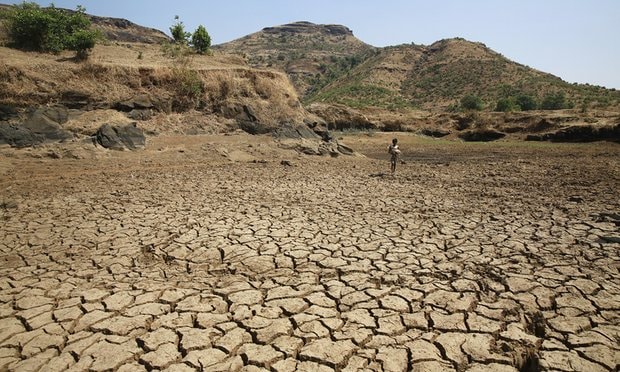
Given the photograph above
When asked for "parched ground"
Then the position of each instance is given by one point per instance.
(207, 253)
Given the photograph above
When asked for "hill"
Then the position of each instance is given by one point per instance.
(310, 54)
(436, 77)
(328, 64)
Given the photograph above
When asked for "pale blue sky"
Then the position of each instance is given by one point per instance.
(576, 40)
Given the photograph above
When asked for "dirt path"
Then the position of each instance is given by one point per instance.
(500, 257)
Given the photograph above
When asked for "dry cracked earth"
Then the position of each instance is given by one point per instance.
(182, 257)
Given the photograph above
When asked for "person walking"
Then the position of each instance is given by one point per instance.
(394, 152)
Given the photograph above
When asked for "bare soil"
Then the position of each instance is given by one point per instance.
(210, 253)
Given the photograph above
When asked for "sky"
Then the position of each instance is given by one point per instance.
(576, 40)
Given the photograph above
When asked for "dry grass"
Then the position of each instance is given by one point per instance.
(114, 73)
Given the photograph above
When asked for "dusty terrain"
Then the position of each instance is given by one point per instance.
(207, 252)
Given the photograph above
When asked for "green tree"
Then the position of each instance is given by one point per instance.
(554, 101)
(201, 41)
(471, 102)
(526, 102)
(178, 32)
(507, 104)
(50, 30)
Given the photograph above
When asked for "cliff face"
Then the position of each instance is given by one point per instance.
(309, 28)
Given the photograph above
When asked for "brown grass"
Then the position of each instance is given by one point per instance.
(112, 74)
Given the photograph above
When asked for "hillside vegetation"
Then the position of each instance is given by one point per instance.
(310, 54)
(328, 64)
(436, 77)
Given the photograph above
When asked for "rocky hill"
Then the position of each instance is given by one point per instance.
(309, 53)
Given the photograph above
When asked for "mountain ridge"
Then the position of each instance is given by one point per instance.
(430, 77)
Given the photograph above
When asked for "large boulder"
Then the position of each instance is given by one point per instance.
(18, 136)
(128, 137)
(46, 122)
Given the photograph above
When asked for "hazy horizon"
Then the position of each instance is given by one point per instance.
(571, 39)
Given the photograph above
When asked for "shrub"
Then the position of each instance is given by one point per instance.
(506, 104)
(175, 50)
(50, 30)
(201, 41)
(526, 102)
(81, 42)
(554, 101)
(178, 32)
(189, 89)
(471, 102)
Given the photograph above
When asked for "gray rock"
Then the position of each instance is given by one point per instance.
(75, 99)
(7, 112)
(47, 121)
(140, 114)
(139, 102)
(18, 136)
(481, 135)
(120, 138)
(295, 132)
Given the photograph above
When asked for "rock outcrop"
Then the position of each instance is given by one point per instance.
(41, 125)
(580, 133)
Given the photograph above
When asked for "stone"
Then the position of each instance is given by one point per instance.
(18, 136)
(139, 102)
(47, 121)
(291, 131)
(120, 137)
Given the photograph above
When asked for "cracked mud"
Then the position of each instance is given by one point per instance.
(472, 258)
